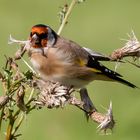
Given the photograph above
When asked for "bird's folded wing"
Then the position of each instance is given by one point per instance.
(97, 56)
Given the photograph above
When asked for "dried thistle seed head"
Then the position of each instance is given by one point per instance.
(131, 48)
(20, 42)
(25, 46)
(108, 121)
(117, 55)
(52, 95)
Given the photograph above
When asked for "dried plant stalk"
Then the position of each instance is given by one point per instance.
(64, 14)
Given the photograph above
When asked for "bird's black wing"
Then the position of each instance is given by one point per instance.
(93, 63)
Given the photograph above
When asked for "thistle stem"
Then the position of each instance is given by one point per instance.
(18, 125)
(10, 128)
(66, 16)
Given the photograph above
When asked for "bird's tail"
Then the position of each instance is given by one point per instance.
(125, 82)
(103, 73)
(112, 75)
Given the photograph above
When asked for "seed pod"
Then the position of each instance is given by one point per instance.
(20, 99)
(3, 100)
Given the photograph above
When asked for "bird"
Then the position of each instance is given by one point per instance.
(62, 60)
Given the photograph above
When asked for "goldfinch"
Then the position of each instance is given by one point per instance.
(61, 60)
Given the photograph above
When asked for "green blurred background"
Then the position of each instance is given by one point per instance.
(97, 24)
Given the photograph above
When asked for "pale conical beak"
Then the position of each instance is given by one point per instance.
(35, 39)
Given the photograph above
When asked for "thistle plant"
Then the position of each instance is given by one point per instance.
(131, 48)
(26, 91)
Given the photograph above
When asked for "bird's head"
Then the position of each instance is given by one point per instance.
(42, 36)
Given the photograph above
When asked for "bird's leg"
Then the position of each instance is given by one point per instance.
(88, 104)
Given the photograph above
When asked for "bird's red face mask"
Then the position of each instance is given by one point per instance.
(42, 36)
(39, 36)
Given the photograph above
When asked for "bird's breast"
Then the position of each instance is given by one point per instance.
(47, 67)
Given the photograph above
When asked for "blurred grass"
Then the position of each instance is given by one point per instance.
(96, 24)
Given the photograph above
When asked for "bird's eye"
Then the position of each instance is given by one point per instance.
(43, 35)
